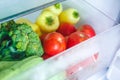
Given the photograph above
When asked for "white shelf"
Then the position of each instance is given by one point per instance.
(110, 8)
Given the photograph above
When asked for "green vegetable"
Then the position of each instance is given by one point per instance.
(18, 41)
(20, 67)
(6, 64)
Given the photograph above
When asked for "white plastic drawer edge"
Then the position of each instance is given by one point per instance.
(114, 70)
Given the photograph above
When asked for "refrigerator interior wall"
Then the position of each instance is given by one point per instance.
(110, 8)
(63, 61)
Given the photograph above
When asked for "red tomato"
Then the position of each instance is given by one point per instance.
(66, 29)
(45, 56)
(87, 29)
(76, 38)
(42, 37)
(54, 43)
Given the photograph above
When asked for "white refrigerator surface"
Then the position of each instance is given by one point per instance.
(99, 76)
(110, 8)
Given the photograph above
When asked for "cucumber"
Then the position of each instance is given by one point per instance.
(20, 67)
(6, 64)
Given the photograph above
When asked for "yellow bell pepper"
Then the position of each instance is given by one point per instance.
(47, 21)
(69, 15)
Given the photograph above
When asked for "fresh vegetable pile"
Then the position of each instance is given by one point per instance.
(57, 29)
(60, 32)
(24, 42)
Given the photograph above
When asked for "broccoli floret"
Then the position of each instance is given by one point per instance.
(18, 41)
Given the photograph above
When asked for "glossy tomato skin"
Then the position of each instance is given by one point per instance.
(54, 43)
(66, 29)
(75, 38)
(87, 29)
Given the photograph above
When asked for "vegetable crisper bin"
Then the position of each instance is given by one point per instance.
(92, 55)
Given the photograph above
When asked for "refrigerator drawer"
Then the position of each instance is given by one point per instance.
(83, 59)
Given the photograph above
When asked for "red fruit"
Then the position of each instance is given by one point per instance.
(66, 38)
(76, 38)
(66, 29)
(87, 29)
(54, 43)
(42, 37)
(46, 56)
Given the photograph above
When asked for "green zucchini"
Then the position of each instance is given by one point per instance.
(6, 64)
(20, 67)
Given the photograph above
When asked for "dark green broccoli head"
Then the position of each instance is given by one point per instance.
(18, 41)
